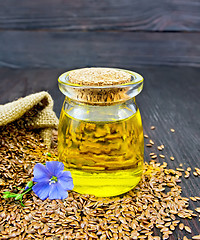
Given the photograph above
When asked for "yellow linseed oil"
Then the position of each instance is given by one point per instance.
(104, 158)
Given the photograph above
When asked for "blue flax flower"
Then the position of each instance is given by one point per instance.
(52, 181)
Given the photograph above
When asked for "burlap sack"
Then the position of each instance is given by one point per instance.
(32, 112)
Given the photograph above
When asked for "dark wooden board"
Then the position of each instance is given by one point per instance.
(170, 99)
(157, 15)
(20, 49)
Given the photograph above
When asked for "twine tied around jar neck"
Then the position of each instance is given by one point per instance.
(100, 86)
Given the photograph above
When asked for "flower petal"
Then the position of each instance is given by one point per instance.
(55, 168)
(41, 173)
(42, 190)
(66, 180)
(66, 174)
(57, 192)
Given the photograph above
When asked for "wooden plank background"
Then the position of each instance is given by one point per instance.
(124, 33)
(78, 49)
(126, 15)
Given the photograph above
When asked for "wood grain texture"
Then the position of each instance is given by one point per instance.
(170, 99)
(79, 49)
(127, 15)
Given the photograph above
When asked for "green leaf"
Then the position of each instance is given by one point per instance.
(9, 195)
(6, 192)
(18, 196)
(6, 196)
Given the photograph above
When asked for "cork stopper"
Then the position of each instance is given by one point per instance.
(99, 76)
(97, 85)
(100, 86)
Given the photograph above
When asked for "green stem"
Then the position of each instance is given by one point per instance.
(29, 189)
(18, 195)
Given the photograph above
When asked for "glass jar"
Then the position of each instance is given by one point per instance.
(100, 135)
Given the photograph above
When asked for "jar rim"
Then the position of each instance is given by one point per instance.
(136, 78)
(101, 94)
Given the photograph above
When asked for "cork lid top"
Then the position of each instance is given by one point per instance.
(99, 76)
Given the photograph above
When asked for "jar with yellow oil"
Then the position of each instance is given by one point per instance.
(100, 134)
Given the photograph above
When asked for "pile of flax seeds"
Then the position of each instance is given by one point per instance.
(153, 210)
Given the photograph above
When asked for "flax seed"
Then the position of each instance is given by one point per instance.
(188, 229)
(197, 209)
(195, 174)
(153, 127)
(161, 155)
(166, 236)
(172, 130)
(180, 169)
(197, 170)
(187, 174)
(172, 227)
(151, 154)
(181, 226)
(151, 142)
(197, 237)
(193, 199)
(185, 238)
(176, 222)
(148, 145)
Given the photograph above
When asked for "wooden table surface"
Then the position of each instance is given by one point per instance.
(170, 99)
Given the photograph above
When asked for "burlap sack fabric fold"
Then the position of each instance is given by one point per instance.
(33, 112)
